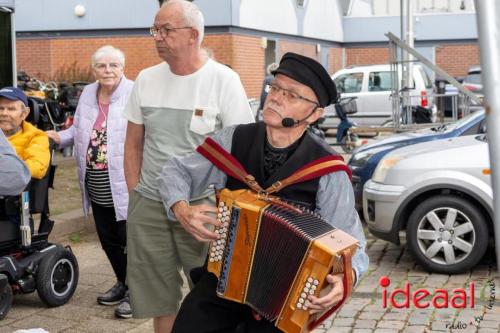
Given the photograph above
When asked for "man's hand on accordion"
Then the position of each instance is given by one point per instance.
(194, 218)
(334, 294)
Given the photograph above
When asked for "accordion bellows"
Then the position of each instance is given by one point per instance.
(271, 256)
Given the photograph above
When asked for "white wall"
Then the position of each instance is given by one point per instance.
(320, 19)
(276, 15)
(47, 15)
(323, 19)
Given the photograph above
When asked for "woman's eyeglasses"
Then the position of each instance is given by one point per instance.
(114, 66)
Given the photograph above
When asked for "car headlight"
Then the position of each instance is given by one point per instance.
(384, 166)
(360, 159)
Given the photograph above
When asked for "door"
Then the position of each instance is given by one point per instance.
(6, 37)
(378, 99)
(350, 85)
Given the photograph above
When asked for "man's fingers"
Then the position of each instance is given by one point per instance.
(330, 299)
(207, 219)
(208, 208)
(204, 233)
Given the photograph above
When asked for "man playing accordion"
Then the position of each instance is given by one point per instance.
(270, 151)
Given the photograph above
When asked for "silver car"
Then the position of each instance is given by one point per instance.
(440, 193)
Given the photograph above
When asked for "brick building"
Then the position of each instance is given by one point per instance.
(55, 41)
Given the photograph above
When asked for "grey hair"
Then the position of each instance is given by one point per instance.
(192, 15)
(108, 50)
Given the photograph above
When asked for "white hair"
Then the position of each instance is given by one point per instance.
(110, 51)
(271, 67)
(192, 16)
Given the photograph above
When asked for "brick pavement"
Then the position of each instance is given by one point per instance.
(363, 313)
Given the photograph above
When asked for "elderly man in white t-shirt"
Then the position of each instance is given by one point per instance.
(173, 106)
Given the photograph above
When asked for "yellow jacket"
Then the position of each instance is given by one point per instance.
(32, 145)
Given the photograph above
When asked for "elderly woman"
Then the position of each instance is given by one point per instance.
(98, 134)
(30, 143)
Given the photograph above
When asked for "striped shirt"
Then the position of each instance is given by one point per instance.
(98, 187)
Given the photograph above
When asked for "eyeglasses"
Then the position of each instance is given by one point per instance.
(114, 66)
(290, 96)
(164, 31)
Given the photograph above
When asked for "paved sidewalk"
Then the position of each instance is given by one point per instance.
(363, 313)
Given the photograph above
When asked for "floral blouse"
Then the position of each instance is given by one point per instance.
(97, 158)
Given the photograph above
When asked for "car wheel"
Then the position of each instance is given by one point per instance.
(447, 234)
(5, 301)
(57, 277)
(349, 142)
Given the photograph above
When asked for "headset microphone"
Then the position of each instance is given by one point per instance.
(290, 122)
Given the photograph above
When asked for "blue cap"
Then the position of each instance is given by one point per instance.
(14, 94)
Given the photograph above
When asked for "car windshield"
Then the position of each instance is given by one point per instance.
(474, 78)
(456, 124)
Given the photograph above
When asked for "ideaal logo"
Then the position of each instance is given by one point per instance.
(459, 299)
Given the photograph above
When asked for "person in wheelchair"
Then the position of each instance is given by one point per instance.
(30, 143)
(28, 261)
(14, 175)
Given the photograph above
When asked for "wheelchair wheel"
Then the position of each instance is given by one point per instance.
(5, 301)
(57, 277)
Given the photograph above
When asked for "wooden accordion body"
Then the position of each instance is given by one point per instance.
(271, 256)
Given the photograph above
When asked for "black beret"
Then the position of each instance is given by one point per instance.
(310, 73)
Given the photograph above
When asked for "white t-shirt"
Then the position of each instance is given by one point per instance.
(178, 112)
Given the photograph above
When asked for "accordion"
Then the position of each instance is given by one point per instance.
(271, 256)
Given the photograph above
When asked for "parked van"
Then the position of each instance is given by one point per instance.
(372, 86)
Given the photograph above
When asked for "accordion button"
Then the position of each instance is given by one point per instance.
(311, 292)
(306, 290)
(221, 209)
(225, 208)
(310, 279)
(313, 288)
(308, 285)
(212, 259)
(315, 282)
(219, 257)
(303, 295)
(301, 300)
(219, 215)
(299, 306)
(221, 203)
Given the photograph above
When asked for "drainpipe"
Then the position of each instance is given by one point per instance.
(488, 22)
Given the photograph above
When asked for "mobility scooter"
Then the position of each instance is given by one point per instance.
(28, 261)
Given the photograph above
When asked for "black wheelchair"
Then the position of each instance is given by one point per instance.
(28, 261)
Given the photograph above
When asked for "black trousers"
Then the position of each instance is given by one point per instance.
(113, 237)
(202, 311)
